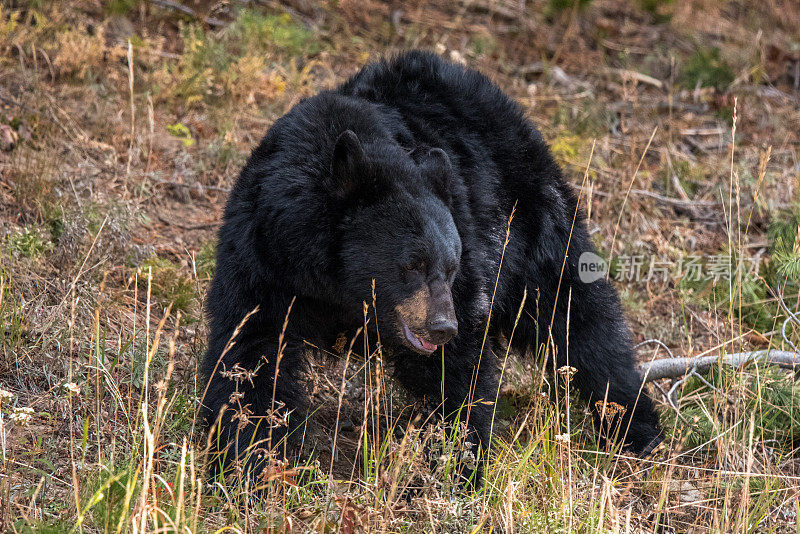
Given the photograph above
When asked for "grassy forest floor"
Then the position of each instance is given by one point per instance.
(123, 124)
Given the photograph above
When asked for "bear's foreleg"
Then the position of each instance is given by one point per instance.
(460, 387)
(251, 414)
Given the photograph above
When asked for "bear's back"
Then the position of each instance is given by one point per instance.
(452, 98)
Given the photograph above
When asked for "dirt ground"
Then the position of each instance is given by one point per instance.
(124, 124)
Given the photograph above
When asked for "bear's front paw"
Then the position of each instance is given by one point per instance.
(643, 438)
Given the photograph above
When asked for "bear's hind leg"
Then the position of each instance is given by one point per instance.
(587, 331)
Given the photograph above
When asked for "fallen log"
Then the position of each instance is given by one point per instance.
(675, 367)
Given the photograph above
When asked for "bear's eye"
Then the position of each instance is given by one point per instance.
(450, 272)
(417, 266)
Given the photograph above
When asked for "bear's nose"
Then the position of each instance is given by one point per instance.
(441, 330)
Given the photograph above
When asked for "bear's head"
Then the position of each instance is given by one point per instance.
(395, 227)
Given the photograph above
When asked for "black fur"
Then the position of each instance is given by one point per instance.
(406, 172)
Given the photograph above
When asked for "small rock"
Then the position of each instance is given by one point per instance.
(687, 492)
(8, 138)
(347, 426)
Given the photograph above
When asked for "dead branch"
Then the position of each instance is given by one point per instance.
(196, 187)
(637, 76)
(189, 12)
(676, 201)
(675, 367)
(556, 74)
(183, 226)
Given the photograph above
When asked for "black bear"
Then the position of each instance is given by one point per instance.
(406, 175)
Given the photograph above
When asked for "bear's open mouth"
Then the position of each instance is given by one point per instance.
(417, 342)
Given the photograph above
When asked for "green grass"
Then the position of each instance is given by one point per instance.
(784, 236)
(12, 315)
(724, 400)
(206, 260)
(752, 298)
(29, 242)
(169, 284)
(23, 526)
(658, 9)
(748, 300)
(240, 61)
(706, 68)
(255, 31)
(555, 6)
(122, 7)
(689, 176)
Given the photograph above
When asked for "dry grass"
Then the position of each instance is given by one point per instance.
(127, 125)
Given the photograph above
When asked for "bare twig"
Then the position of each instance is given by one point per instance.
(702, 131)
(672, 396)
(183, 226)
(637, 76)
(688, 204)
(198, 187)
(711, 386)
(670, 402)
(556, 74)
(785, 337)
(185, 10)
(791, 316)
(656, 342)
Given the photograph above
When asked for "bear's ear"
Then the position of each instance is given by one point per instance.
(347, 163)
(436, 166)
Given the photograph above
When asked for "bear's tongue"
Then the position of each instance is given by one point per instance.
(417, 341)
(426, 345)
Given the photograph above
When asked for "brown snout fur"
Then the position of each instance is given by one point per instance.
(414, 310)
(425, 306)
